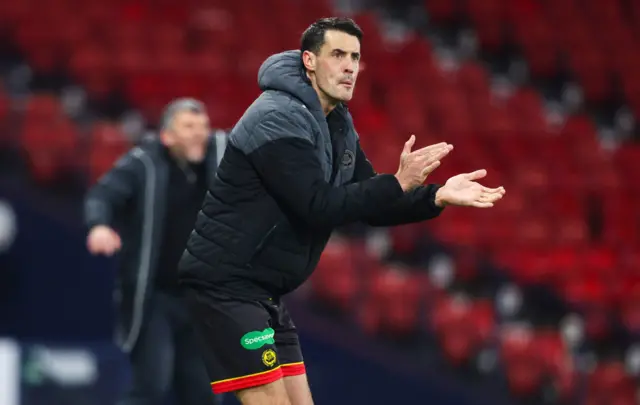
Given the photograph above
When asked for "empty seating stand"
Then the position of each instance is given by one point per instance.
(569, 222)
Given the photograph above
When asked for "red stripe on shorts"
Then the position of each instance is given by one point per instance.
(292, 369)
(252, 380)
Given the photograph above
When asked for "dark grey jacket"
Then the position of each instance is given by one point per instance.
(288, 177)
(130, 198)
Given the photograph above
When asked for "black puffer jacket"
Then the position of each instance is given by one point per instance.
(288, 177)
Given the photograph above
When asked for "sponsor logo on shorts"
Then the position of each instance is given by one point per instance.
(256, 339)
(269, 358)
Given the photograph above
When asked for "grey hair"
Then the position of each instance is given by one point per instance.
(180, 104)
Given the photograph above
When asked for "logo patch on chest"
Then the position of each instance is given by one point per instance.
(348, 159)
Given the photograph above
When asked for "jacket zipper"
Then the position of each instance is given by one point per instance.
(338, 147)
(263, 241)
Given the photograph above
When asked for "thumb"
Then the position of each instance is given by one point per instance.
(409, 144)
(478, 174)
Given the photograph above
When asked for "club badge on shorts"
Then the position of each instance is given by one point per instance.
(269, 358)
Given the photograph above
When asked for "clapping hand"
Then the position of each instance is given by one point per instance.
(416, 165)
(462, 190)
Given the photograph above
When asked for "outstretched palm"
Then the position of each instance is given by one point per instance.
(462, 190)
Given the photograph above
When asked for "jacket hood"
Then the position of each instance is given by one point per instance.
(284, 72)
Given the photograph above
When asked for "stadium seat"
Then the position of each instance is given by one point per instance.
(335, 282)
(49, 139)
(107, 145)
(395, 295)
(609, 380)
(523, 368)
(463, 327)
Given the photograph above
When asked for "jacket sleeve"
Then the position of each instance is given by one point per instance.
(291, 171)
(112, 191)
(415, 206)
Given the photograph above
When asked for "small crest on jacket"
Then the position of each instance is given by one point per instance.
(348, 159)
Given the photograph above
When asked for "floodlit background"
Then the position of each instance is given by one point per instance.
(536, 301)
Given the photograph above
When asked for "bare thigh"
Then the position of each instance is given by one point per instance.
(273, 393)
(298, 390)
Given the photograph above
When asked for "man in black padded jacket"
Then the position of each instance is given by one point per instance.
(293, 171)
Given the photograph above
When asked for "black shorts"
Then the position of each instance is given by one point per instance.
(244, 343)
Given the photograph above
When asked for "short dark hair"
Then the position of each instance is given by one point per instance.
(313, 37)
(180, 104)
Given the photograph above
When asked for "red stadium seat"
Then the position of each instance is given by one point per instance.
(335, 281)
(463, 327)
(558, 364)
(107, 145)
(395, 294)
(441, 10)
(609, 379)
(49, 139)
(523, 367)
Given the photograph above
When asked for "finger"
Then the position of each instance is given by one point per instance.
(430, 148)
(490, 198)
(429, 169)
(434, 156)
(493, 197)
(479, 204)
(478, 174)
(409, 144)
(439, 154)
(492, 190)
(436, 153)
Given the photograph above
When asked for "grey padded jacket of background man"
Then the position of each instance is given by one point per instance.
(288, 177)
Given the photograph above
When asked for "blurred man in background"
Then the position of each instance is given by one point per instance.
(294, 171)
(145, 207)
